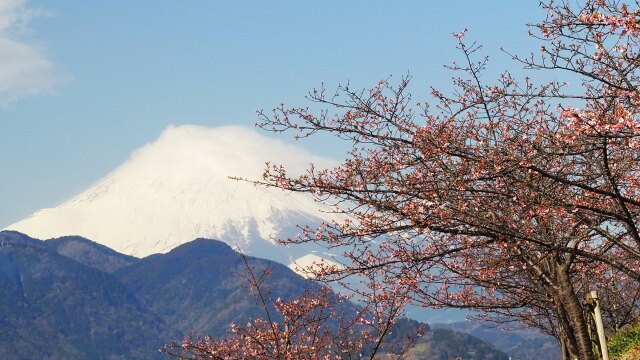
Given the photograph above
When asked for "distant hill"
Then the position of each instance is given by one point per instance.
(90, 253)
(58, 300)
(523, 344)
(447, 344)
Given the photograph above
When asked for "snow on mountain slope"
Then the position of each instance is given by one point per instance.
(309, 265)
(177, 189)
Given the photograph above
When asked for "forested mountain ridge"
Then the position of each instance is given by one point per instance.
(58, 300)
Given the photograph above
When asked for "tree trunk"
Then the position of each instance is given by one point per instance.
(568, 342)
(564, 349)
(575, 316)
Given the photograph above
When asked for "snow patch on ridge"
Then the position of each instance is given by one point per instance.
(309, 265)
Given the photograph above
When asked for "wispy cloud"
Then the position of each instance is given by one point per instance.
(24, 69)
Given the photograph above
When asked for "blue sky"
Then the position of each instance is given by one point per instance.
(83, 83)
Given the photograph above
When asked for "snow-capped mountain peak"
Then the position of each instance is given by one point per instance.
(177, 189)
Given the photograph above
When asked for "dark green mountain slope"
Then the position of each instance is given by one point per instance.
(52, 307)
(198, 286)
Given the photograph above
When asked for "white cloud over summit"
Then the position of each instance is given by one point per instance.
(24, 70)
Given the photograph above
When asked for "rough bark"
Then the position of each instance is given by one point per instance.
(568, 342)
(575, 317)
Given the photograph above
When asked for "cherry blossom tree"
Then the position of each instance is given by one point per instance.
(319, 324)
(511, 198)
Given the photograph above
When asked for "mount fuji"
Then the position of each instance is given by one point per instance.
(177, 189)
